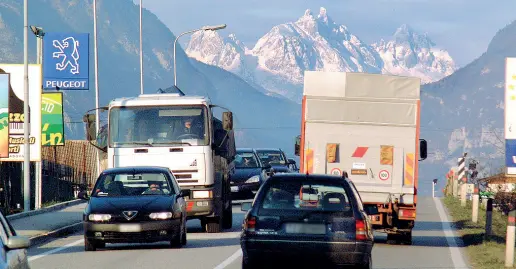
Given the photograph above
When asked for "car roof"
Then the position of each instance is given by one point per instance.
(245, 149)
(297, 176)
(136, 169)
(269, 149)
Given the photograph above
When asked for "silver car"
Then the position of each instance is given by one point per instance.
(13, 248)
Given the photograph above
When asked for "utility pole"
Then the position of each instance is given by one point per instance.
(26, 126)
(97, 118)
(141, 49)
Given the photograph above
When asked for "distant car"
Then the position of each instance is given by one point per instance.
(14, 247)
(306, 219)
(248, 172)
(276, 158)
(137, 204)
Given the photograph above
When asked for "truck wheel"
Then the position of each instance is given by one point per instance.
(227, 221)
(213, 226)
(407, 238)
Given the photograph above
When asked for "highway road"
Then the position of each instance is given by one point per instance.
(434, 246)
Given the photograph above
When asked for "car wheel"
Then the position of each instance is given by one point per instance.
(369, 264)
(248, 265)
(183, 238)
(89, 245)
(177, 241)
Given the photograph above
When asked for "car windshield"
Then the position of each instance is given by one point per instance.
(305, 195)
(246, 160)
(158, 125)
(271, 157)
(128, 184)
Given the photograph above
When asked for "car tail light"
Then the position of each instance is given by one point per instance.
(250, 224)
(360, 227)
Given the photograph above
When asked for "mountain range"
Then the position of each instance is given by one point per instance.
(316, 42)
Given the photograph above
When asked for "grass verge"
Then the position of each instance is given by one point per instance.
(482, 253)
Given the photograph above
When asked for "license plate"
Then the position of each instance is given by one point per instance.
(234, 188)
(305, 228)
(129, 228)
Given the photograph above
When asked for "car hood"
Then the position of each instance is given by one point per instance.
(245, 173)
(109, 205)
(279, 168)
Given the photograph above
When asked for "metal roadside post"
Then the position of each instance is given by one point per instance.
(509, 243)
(474, 214)
(434, 182)
(463, 194)
(489, 218)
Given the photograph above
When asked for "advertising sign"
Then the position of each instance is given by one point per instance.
(4, 115)
(16, 115)
(66, 61)
(510, 116)
(52, 124)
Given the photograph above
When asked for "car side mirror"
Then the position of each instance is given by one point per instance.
(18, 242)
(227, 120)
(422, 149)
(291, 161)
(83, 195)
(297, 146)
(184, 193)
(371, 210)
(246, 206)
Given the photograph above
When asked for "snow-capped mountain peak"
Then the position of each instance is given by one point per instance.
(414, 54)
(279, 59)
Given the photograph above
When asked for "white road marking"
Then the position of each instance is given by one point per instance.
(55, 250)
(455, 253)
(230, 260)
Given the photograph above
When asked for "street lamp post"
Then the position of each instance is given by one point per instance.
(26, 131)
(205, 28)
(39, 33)
(141, 49)
(96, 60)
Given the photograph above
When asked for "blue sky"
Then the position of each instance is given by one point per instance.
(464, 28)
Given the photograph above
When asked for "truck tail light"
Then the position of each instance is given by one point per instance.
(361, 233)
(407, 213)
(250, 224)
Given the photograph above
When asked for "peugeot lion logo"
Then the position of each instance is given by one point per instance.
(129, 215)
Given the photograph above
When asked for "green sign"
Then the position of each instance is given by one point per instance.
(52, 125)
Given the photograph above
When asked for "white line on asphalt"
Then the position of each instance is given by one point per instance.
(230, 260)
(455, 253)
(55, 250)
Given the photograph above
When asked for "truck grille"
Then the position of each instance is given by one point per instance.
(185, 176)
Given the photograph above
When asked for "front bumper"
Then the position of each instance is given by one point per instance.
(305, 252)
(138, 232)
(245, 187)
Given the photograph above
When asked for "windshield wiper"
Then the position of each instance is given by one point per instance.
(172, 143)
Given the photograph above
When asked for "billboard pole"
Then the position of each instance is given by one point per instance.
(26, 157)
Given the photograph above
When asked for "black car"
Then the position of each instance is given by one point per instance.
(305, 219)
(276, 158)
(135, 205)
(247, 173)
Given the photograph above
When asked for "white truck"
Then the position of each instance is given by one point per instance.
(182, 133)
(367, 126)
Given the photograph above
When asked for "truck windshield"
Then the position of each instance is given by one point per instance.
(158, 125)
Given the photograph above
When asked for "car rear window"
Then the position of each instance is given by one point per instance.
(306, 196)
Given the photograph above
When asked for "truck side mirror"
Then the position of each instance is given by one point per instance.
(89, 119)
(297, 145)
(227, 121)
(422, 149)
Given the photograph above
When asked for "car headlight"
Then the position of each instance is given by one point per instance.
(99, 217)
(201, 194)
(253, 179)
(161, 215)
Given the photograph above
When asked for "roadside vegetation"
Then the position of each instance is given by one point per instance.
(482, 253)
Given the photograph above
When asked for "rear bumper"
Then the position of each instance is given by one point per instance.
(144, 232)
(336, 253)
(197, 208)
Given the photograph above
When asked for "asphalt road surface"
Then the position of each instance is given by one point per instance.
(434, 246)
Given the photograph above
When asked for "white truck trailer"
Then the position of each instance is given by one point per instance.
(152, 129)
(366, 125)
